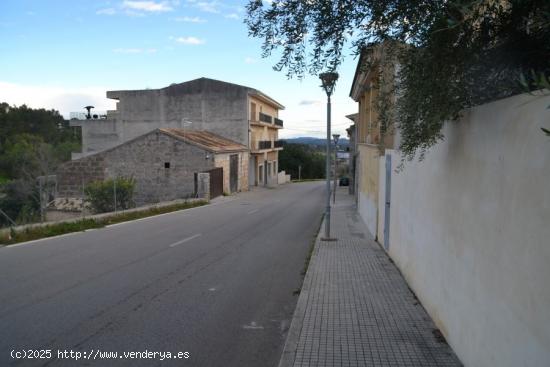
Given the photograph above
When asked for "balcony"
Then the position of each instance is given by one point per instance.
(266, 118)
(264, 144)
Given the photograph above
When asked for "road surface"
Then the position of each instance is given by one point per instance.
(216, 282)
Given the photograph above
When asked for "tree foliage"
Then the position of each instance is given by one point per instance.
(451, 54)
(102, 194)
(293, 156)
(33, 142)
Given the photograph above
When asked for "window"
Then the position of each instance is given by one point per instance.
(253, 111)
(274, 168)
(166, 164)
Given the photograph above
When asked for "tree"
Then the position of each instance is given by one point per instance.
(452, 54)
(293, 156)
(33, 142)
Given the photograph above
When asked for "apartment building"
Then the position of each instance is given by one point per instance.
(235, 112)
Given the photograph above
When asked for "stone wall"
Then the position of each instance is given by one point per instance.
(163, 168)
(72, 176)
(222, 160)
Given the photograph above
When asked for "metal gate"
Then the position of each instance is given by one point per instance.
(233, 172)
(216, 182)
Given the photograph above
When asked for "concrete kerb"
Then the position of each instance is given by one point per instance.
(296, 325)
(6, 231)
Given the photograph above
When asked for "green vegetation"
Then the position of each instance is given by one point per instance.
(452, 54)
(33, 142)
(33, 233)
(311, 160)
(101, 195)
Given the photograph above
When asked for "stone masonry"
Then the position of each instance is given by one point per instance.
(162, 166)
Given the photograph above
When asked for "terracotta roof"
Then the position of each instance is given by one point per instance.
(205, 140)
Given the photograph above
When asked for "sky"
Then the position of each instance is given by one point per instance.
(65, 54)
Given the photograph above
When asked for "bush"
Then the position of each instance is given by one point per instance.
(101, 194)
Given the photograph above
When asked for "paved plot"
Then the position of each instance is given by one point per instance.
(355, 308)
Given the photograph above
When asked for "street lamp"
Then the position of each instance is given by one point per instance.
(328, 81)
(335, 137)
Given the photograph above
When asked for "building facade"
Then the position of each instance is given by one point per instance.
(238, 113)
(163, 164)
(369, 141)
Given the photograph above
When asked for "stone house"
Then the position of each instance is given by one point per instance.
(163, 163)
(238, 113)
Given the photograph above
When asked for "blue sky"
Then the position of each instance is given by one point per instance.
(67, 54)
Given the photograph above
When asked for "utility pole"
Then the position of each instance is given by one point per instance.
(335, 137)
(299, 172)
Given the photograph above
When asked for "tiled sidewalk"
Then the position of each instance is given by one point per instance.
(355, 308)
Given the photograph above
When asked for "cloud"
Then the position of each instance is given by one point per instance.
(149, 6)
(189, 40)
(232, 16)
(190, 19)
(134, 50)
(250, 60)
(106, 11)
(308, 102)
(206, 6)
(65, 100)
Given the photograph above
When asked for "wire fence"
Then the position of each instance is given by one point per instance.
(51, 205)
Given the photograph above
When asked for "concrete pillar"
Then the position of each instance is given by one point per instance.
(203, 185)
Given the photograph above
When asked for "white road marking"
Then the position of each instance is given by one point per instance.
(185, 240)
(253, 211)
(118, 224)
(253, 326)
(31, 242)
(212, 289)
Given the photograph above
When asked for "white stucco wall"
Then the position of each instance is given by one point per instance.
(470, 230)
(381, 196)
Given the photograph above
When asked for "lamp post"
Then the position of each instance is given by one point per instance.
(328, 81)
(335, 137)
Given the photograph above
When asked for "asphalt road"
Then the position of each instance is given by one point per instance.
(215, 281)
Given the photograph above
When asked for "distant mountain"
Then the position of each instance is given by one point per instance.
(343, 142)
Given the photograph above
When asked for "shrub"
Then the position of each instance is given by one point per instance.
(101, 194)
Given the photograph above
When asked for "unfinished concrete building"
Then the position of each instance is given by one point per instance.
(238, 113)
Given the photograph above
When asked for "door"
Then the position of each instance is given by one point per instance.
(233, 172)
(216, 182)
(387, 203)
(252, 171)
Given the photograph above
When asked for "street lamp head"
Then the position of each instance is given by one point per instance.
(336, 137)
(328, 81)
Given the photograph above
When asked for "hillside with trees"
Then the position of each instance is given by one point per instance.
(33, 142)
(308, 157)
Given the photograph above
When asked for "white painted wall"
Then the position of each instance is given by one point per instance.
(368, 211)
(382, 196)
(470, 230)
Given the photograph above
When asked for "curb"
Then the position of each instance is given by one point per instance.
(289, 351)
